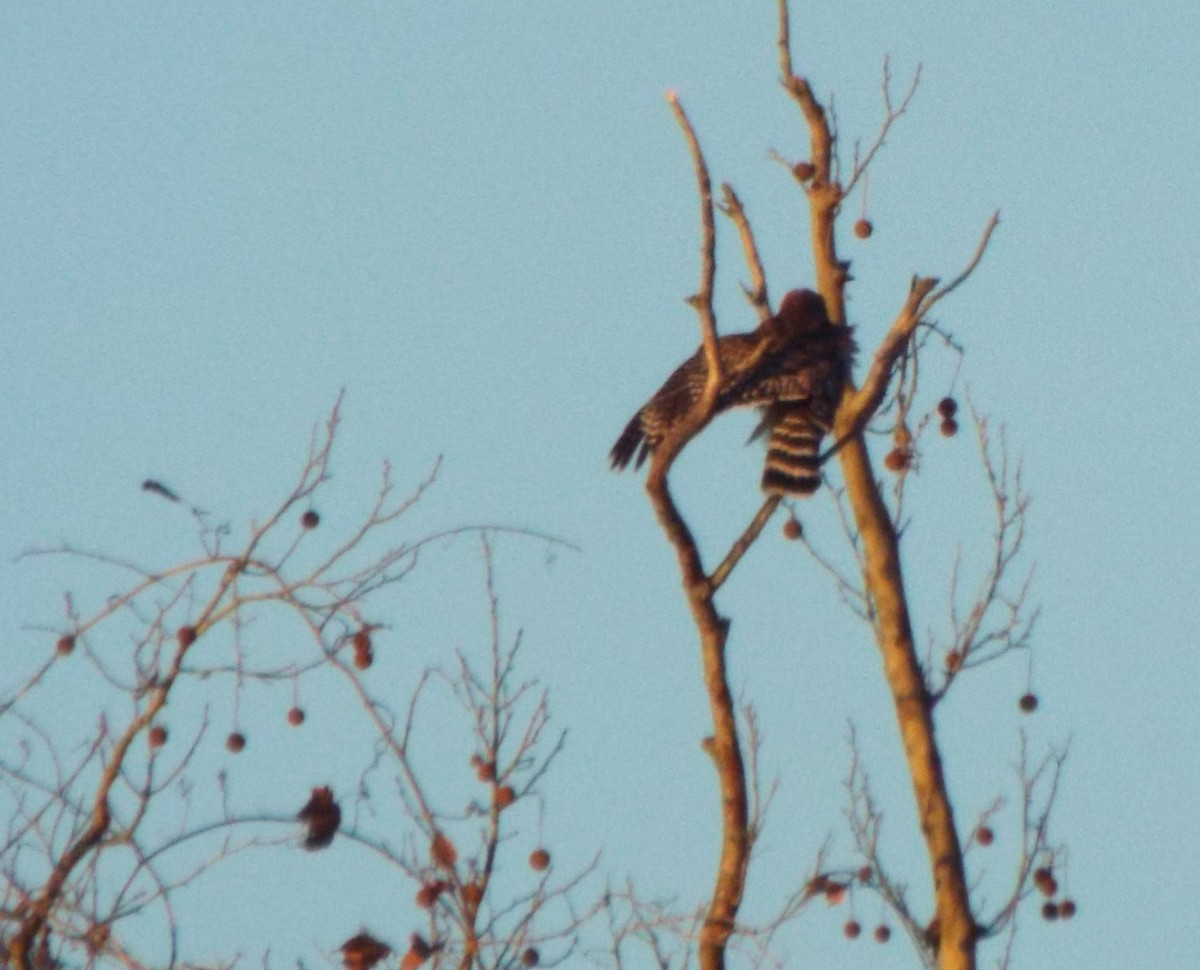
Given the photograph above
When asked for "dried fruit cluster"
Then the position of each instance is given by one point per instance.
(853, 930)
(1047, 885)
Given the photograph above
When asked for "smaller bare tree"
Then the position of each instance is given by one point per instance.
(99, 833)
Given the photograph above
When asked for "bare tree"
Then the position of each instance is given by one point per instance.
(995, 620)
(97, 836)
(100, 833)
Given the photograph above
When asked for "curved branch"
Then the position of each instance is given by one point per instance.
(893, 113)
(713, 629)
(974, 261)
(724, 746)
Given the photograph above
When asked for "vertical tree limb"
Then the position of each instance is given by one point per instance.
(713, 629)
(883, 574)
(724, 745)
(702, 300)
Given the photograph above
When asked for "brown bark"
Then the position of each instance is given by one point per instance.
(884, 580)
(713, 629)
(883, 573)
(724, 746)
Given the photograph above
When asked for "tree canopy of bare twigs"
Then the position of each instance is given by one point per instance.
(100, 834)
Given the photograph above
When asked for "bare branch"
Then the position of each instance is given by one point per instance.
(860, 406)
(892, 114)
(744, 542)
(800, 91)
(701, 302)
(756, 293)
(967, 270)
(999, 619)
(883, 573)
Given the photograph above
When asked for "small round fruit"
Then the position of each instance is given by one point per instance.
(530, 957)
(835, 893)
(863, 229)
(295, 716)
(186, 635)
(852, 930)
(363, 658)
(505, 796)
(792, 529)
(804, 170)
(472, 894)
(65, 645)
(539, 860)
(236, 742)
(1066, 909)
(954, 661)
(896, 460)
(310, 519)
(864, 874)
(949, 427)
(985, 836)
(947, 407)
(1050, 911)
(883, 933)
(486, 771)
(1028, 703)
(157, 736)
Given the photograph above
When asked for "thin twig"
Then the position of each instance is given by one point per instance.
(892, 115)
(702, 300)
(756, 293)
(744, 542)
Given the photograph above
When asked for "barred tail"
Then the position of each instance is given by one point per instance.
(632, 438)
(793, 466)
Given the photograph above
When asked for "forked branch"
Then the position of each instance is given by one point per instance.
(858, 409)
(713, 629)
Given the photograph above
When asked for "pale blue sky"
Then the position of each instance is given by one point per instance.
(479, 219)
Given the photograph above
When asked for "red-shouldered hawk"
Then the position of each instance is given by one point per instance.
(794, 365)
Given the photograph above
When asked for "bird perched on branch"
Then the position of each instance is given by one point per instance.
(794, 365)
